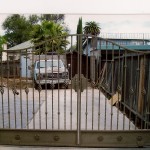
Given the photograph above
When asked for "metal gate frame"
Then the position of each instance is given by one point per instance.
(81, 138)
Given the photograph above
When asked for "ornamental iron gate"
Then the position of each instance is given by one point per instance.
(93, 95)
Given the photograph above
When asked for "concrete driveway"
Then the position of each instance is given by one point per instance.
(57, 109)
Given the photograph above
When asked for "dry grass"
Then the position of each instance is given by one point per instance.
(17, 83)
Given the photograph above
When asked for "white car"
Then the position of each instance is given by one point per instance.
(50, 72)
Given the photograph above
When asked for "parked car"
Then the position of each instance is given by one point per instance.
(50, 72)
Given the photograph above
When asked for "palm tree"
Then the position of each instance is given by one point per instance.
(92, 28)
(52, 32)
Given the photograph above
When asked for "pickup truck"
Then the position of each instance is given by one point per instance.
(50, 72)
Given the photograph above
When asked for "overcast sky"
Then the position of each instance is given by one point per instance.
(108, 23)
(113, 23)
(113, 16)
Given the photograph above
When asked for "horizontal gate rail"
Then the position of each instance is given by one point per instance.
(139, 138)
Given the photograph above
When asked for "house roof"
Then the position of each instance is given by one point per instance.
(110, 47)
(23, 45)
(124, 39)
(134, 47)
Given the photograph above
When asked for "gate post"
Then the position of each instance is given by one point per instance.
(79, 46)
(78, 85)
(78, 115)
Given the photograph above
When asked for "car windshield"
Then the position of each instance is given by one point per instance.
(54, 63)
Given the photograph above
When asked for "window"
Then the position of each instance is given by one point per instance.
(54, 63)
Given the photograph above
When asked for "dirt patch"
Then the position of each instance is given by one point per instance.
(17, 83)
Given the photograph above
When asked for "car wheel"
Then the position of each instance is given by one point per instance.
(64, 86)
(37, 86)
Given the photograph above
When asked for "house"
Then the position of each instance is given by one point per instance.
(15, 51)
(23, 53)
(19, 56)
(103, 49)
(3, 55)
(100, 45)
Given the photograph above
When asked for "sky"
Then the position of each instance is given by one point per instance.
(113, 16)
(114, 23)
(137, 23)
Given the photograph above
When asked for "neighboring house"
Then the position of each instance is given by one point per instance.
(93, 48)
(99, 48)
(23, 53)
(4, 54)
(27, 46)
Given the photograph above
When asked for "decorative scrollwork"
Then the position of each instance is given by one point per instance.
(37, 137)
(119, 89)
(14, 90)
(1, 89)
(93, 84)
(100, 138)
(27, 90)
(139, 138)
(143, 91)
(52, 86)
(39, 88)
(17, 137)
(56, 138)
(131, 91)
(119, 138)
(66, 84)
(79, 82)
(107, 85)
